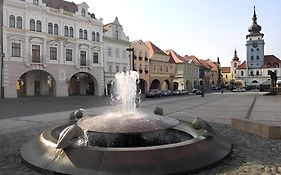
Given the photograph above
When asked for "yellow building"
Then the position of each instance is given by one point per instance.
(227, 75)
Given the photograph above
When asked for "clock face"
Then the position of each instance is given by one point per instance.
(255, 44)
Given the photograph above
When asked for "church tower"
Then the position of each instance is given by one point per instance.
(234, 65)
(255, 45)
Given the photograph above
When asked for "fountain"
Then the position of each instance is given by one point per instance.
(125, 141)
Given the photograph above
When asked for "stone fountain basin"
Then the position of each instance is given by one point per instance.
(177, 158)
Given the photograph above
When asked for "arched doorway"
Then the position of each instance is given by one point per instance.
(36, 83)
(195, 85)
(83, 83)
(176, 86)
(166, 85)
(155, 84)
(142, 86)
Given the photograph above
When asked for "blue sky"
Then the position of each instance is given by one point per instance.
(204, 28)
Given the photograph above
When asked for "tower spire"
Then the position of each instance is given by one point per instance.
(254, 16)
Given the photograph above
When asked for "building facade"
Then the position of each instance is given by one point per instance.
(187, 72)
(116, 58)
(162, 70)
(52, 48)
(141, 64)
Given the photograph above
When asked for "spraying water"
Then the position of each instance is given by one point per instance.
(126, 90)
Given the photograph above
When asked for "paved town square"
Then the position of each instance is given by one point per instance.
(251, 154)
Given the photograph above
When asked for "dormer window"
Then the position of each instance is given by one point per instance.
(83, 12)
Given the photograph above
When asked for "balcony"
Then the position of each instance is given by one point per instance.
(35, 61)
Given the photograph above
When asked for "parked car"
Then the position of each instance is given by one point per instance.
(153, 93)
(166, 93)
(194, 90)
(176, 92)
(184, 92)
(239, 90)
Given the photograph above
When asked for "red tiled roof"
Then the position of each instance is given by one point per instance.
(193, 58)
(204, 64)
(271, 61)
(61, 4)
(242, 66)
(225, 69)
(154, 49)
(174, 57)
(212, 65)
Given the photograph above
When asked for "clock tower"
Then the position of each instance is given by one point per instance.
(255, 45)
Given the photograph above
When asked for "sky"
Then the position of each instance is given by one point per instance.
(204, 28)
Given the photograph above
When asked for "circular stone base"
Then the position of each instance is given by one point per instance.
(182, 157)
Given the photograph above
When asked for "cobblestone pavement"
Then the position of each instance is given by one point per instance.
(251, 155)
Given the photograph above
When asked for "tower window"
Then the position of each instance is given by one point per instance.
(83, 12)
(252, 57)
(258, 57)
(242, 73)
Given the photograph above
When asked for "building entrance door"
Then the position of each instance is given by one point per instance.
(37, 88)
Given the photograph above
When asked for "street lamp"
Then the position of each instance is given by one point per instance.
(2, 77)
(132, 57)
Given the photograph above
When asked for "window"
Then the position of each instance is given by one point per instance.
(80, 34)
(85, 34)
(161, 68)
(258, 73)
(252, 73)
(124, 68)
(68, 55)
(50, 28)
(19, 22)
(167, 68)
(66, 31)
(36, 2)
(98, 37)
(154, 68)
(53, 53)
(83, 58)
(38, 26)
(56, 29)
(252, 50)
(71, 32)
(109, 52)
(83, 12)
(95, 57)
(93, 36)
(258, 57)
(235, 65)
(12, 21)
(15, 49)
(252, 57)
(32, 25)
(117, 68)
(110, 68)
(242, 73)
(35, 53)
(226, 76)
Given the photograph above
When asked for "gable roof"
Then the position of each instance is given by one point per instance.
(192, 58)
(174, 57)
(154, 49)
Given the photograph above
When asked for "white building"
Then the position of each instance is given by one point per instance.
(116, 58)
(52, 48)
(255, 70)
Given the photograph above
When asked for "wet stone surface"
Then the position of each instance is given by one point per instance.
(251, 154)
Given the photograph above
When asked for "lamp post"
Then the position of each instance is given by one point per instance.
(132, 57)
(2, 55)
